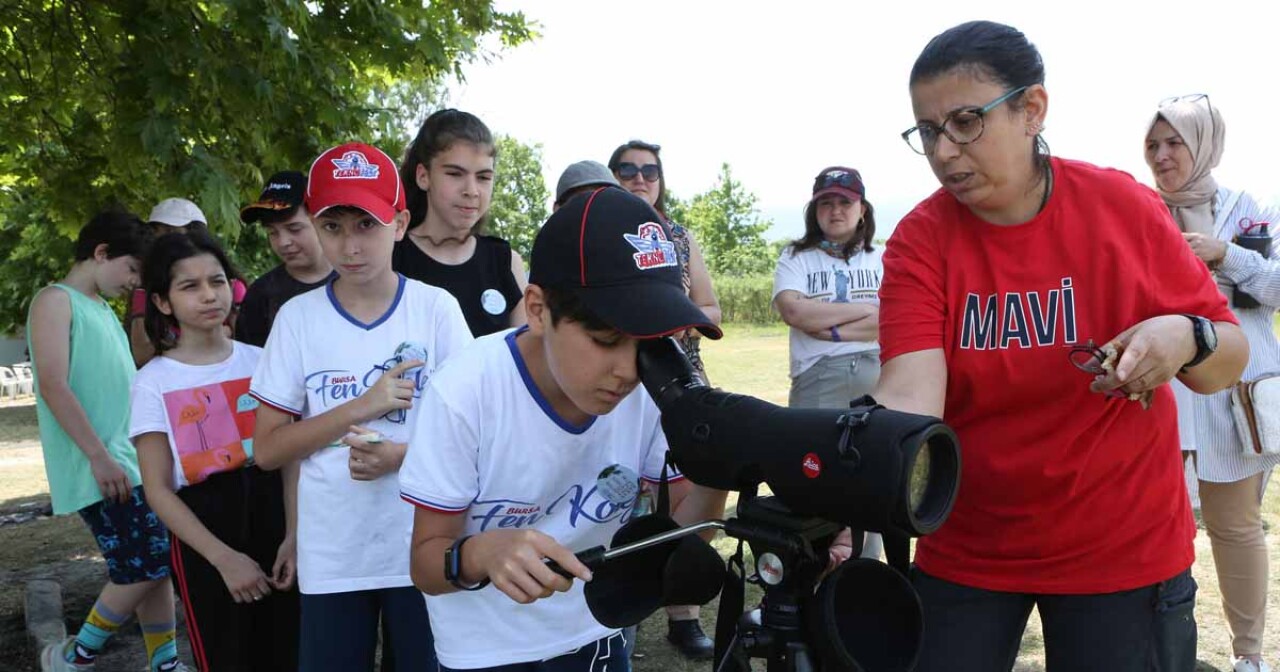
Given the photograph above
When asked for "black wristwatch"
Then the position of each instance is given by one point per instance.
(453, 567)
(1206, 339)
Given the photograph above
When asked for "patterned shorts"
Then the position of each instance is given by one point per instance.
(133, 541)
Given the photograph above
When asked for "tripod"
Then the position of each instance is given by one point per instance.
(790, 556)
(864, 616)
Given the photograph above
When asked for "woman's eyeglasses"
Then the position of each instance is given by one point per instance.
(1093, 360)
(961, 127)
(1193, 99)
(628, 171)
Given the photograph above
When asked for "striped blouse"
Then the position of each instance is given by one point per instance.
(1204, 421)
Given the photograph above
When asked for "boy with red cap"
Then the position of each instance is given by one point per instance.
(339, 382)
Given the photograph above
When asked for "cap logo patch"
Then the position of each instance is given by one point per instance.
(278, 186)
(354, 166)
(653, 250)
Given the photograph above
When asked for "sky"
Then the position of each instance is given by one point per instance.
(780, 90)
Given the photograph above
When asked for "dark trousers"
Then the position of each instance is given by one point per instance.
(1149, 629)
(245, 510)
(340, 631)
(609, 654)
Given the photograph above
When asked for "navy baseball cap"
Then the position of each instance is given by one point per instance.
(612, 250)
(284, 191)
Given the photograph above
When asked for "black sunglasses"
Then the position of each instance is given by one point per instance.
(628, 170)
(837, 178)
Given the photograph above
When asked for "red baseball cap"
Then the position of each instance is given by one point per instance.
(359, 176)
(840, 180)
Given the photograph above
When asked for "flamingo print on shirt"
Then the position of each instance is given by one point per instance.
(212, 428)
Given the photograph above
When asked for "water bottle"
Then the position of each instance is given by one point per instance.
(1258, 239)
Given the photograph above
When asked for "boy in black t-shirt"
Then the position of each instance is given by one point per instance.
(303, 266)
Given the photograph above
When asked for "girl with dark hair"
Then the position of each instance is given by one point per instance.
(637, 165)
(448, 173)
(172, 215)
(825, 287)
(192, 422)
(1041, 306)
(1184, 142)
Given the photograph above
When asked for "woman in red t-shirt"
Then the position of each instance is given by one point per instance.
(998, 290)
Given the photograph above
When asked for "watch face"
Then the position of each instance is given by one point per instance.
(1210, 335)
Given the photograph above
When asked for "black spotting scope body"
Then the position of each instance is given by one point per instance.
(868, 467)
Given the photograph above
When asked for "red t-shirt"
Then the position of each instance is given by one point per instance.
(1062, 490)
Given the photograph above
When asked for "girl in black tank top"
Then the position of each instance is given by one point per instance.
(448, 175)
(484, 284)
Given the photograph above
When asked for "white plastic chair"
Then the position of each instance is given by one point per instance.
(27, 386)
(10, 383)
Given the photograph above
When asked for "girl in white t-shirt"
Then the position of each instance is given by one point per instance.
(826, 288)
(192, 423)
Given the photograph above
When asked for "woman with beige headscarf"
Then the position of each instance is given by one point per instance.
(1184, 144)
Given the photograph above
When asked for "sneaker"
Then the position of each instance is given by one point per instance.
(53, 658)
(1246, 665)
(690, 640)
(174, 666)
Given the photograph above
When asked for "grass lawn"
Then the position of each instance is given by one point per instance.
(750, 359)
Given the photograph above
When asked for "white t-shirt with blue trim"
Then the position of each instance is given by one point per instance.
(353, 535)
(488, 446)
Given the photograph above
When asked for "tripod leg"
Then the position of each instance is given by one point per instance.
(799, 658)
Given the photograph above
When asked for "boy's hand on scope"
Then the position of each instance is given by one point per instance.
(840, 551)
(515, 562)
(391, 392)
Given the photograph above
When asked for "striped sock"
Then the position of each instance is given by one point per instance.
(162, 650)
(99, 626)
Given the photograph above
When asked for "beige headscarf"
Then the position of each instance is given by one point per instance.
(1201, 128)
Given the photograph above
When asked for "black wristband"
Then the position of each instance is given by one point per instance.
(1206, 337)
(453, 567)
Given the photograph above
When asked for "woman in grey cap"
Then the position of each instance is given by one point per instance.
(581, 177)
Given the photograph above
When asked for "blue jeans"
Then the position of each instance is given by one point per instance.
(339, 632)
(1148, 629)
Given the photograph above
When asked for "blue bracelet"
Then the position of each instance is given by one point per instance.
(835, 334)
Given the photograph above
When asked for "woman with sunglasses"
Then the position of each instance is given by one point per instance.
(638, 167)
(1184, 143)
(1071, 500)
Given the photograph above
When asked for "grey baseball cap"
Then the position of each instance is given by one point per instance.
(582, 174)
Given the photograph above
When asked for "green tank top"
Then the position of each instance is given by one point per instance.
(100, 372)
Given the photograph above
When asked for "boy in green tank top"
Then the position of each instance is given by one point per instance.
(84, 372)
